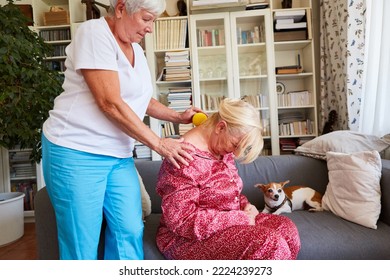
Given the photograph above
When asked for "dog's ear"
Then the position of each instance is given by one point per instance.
(260, 186)
(284, 183)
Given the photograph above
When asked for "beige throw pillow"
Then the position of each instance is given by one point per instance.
(353, 191)
(146, 202)
(343, 141)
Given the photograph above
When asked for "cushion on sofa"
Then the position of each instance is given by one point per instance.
(343, 141)
(353, 191)
(146, 202)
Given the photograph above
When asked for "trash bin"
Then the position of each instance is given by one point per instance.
(11, 217)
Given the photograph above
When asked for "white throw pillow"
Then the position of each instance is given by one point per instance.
(353, 191)
(343, 141)
(146, 202)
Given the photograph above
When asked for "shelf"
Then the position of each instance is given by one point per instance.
(60, 42)
(293, 76)
(253, 47)
(296, 107)
(291, 45)
(52, 27)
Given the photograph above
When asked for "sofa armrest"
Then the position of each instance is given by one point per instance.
(385, 189)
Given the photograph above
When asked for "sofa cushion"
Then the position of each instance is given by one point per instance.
(325, 236)
(343, 141)
(353, 192)
(151, 251)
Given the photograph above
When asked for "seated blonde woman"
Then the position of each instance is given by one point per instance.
(205, 216)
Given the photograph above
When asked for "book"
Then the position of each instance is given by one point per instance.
(294, 69)
(294, 25)
(196, 3)
(309, 24)
(285, 20)
(297, 15)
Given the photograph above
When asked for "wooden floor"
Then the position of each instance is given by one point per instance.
(23, 249)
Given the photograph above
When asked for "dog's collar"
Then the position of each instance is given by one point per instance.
(274, 209)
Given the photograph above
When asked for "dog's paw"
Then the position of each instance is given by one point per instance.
(318, 209)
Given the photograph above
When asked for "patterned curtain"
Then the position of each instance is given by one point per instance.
(341, 61)
(333, 62)
(356, 47)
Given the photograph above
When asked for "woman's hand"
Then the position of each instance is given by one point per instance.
(186, 116)
(175, 150)
(251, 211)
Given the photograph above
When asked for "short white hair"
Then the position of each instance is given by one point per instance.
(156, 7)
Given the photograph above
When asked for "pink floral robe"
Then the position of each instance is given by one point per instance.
(203, 215)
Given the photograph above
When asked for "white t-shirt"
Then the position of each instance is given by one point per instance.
(76, 122)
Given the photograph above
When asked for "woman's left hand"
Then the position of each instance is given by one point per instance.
(176, 151)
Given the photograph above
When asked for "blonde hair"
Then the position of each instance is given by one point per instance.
(242, 119)
(156, 7)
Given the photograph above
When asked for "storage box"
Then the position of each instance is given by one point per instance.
(56, 18)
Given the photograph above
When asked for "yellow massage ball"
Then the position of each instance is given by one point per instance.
(199, 118)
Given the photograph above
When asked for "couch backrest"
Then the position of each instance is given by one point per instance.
(385, 189)
(300, 170)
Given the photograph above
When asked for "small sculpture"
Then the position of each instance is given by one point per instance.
(92, 8)
(329, 125)
(182, 7)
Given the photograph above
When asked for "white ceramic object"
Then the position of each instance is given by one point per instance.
(11, 217)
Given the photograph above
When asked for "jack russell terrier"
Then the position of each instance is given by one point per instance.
(285, 200)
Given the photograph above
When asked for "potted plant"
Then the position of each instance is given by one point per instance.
(27, 85)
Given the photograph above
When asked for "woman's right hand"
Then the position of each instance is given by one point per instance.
(251, 211)
(176, 151)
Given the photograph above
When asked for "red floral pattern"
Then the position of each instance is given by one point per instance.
(203, 215)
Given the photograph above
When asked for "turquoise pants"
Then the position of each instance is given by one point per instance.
(82, 188)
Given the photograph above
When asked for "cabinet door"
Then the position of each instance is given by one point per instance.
(212, 59)
(253, 65)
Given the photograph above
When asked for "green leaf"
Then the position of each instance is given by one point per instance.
(27, 86)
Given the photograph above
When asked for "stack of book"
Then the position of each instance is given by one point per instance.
(170, 33)
(295, 123)
(177, 66)
(167, 129)
(211, 102)
(294, 98)
(196, 3)
(183, 128)
(291, 25)
(179, 98)
(287, 145)
(210, 37)
(257, 101)
(142, 151)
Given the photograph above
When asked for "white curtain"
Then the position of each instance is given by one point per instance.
(375, 109)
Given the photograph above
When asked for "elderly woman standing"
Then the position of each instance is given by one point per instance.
(205, 216)
(89, 136)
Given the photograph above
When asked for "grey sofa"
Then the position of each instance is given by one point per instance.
(323, 235)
